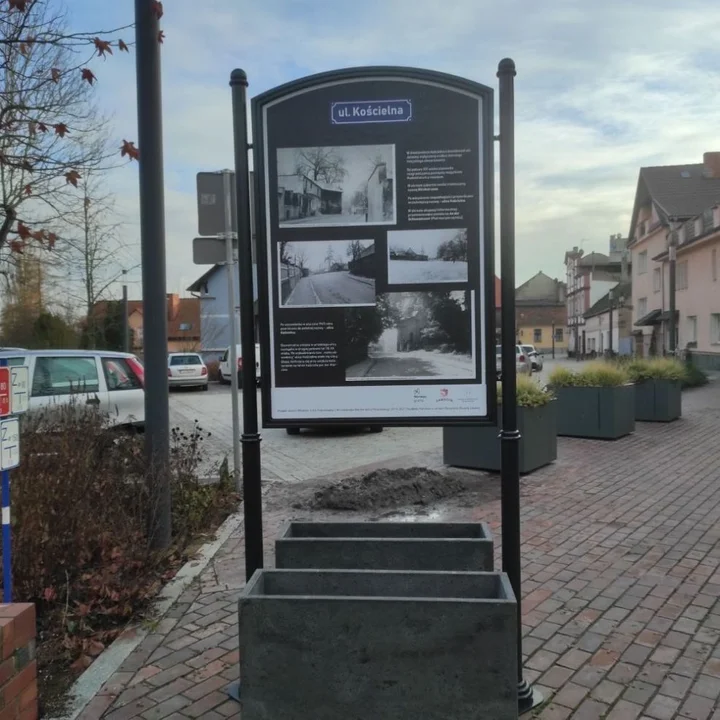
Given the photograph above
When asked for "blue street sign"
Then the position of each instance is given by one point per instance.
(358, 112)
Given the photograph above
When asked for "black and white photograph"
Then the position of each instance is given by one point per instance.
(411, 336)
(331, 273)
(427, 256)
(336, 186)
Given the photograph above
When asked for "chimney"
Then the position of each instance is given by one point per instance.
(711, 161)
(173, 305)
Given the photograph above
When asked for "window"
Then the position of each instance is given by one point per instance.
(657, 279)
(715, 328)
(119, 376)
(642, 307)
(713, 264)
(558, 334)
(642, 262)
(681, 276)
(186, 326)
(537, 335)
(64, 376)
(691, 328)
(185, 360)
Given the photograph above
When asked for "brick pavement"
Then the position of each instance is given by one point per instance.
(621, 547)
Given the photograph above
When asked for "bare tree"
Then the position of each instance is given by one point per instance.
(330, 257)
(300, 257)
(355, 249)
(323, 164)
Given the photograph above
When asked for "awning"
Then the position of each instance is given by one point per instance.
(665, 317)
(652, 318)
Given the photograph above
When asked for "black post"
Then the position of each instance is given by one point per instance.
(250, 439)
(553, 339)
(126, 319)
(611, 299)
(152, 240)
(510, 436)
(673, 267)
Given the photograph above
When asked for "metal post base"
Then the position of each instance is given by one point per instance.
(528, 698)
(234, 691)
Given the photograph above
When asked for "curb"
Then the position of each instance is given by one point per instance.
(87, 686)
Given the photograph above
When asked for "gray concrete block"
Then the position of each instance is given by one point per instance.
(353, 645)
(430, 546)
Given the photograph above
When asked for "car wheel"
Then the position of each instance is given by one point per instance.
(223, 381)
(292, 431)
(205, 387)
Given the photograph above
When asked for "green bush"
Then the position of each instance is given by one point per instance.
(694, 376)
(594, 374)
(659, 368)
(529, 393)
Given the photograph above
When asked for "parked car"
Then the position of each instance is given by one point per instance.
(536, 359)
(225, 365)
(187, 370)
(523, 365)
(112, 382)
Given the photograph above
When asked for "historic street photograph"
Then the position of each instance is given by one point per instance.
(427, 256)
(411, 336)
(336, 186)
(329, 273)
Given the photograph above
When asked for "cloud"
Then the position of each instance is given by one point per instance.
(602, 89)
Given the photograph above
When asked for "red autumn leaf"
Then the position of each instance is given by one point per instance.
(161, 37)
(49, 594)
(55, 74)
(17, 246)
(20, 5)
(61, 129)
(128, 148)
(38, 235)
(72, 177)
(28, 189)
(51, 240)
(122, 47)
(157, 8)
(42, 127)
(23, 48)
(82, 663)
(102, 47)
(87, 74)
(23, 231)
(95, 647)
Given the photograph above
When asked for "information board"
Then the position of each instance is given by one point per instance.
(374, 198)
(9, 443)
(19, 389)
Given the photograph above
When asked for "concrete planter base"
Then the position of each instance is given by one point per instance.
(479, 447)
(353, 645)
(658, 400)
(385, 546)
(603, 413)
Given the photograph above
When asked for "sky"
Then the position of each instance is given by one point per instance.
(602, 89)
(421, 241)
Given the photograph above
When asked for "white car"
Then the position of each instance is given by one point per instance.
(187, 370)
(536, 359)
(112, 382)
(225, 365)
(523, 365)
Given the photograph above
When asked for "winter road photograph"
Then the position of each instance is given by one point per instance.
(427, 256)
(336, 186)
(411, 336)
(335, 273)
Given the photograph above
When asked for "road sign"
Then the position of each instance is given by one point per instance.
(5, 404)
(9, 443)
(19, 389)
(211, 204)
(209, 250)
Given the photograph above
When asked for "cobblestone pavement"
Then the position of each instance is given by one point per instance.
(621, 546)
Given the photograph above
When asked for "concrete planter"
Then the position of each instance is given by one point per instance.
(479, 447)
(658, 400)
(324, 645)
(385, 546)
(604, 413)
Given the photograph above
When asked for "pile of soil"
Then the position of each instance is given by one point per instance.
(387, 488)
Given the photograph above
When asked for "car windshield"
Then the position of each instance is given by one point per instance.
(185, 360)
(528, 348)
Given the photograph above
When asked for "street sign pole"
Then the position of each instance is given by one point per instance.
(6, 527)
(229, 268)
(528, 698)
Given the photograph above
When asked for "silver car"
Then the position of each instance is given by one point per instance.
(536, 359)
(187, 370)
(523, 365)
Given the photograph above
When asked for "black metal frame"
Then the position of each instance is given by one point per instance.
(487, 175)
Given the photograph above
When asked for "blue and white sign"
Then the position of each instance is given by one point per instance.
(358, 112)
(9, 443)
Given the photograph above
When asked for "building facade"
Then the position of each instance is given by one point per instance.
(541, 314)
(603, 333)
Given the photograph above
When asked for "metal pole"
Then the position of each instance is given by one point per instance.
(6, 529)
(611, 300)
(252, 488)
(234, 370)
(510, 436)
(671, 322)
(152, 239)
(553, 340)
(126, 319)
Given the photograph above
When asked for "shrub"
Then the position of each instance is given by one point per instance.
(659, 368)
(594, 374)
(694, 376)
(529, 393)
(213, 367)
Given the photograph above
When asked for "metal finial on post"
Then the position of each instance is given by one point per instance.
(510, 435)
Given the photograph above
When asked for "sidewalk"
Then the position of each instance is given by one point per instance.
(621, 546)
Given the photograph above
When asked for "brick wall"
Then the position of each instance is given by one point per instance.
(18, 669)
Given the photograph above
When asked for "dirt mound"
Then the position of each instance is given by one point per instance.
(387, 488)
